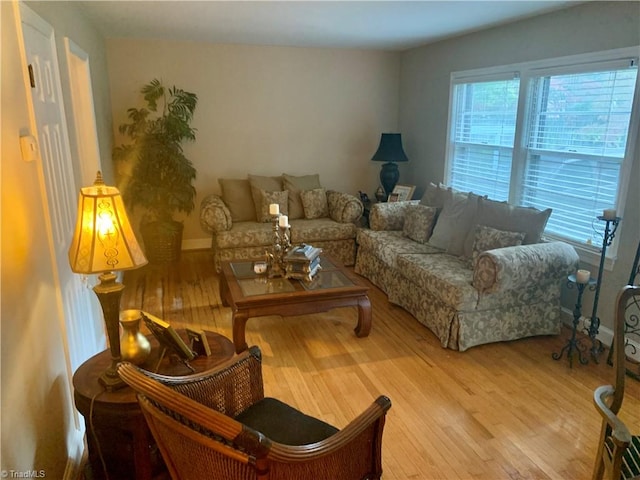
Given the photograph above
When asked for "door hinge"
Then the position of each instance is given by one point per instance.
(32, 79)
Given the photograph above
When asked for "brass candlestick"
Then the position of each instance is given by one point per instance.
(281, 245)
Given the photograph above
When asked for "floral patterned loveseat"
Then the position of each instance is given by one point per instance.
(472, 270)
(242, 228)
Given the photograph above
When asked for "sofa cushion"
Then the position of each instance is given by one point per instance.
(245, 234)
(454, 222)
(446, 278)
(388, 244)
(502, 216)
(236, 194)
(487, 238)
(435, 196)
(418, 222)
(314, 203)
(260, 182)
(266, 199)
(320, 229)
(295, 186)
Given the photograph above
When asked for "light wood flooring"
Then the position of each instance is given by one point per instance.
(499, 411)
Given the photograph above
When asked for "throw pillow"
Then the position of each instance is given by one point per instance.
(418, 222)
(236, 195)
(314, 203)
(454, 222)
(435, 196)
(487, 238)
(267, 198)
(269, 184)
(503, 216)
(295, 186)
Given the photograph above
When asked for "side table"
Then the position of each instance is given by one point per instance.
(115, 425)
(574, 344)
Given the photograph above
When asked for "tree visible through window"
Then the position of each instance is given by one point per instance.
(573, 126)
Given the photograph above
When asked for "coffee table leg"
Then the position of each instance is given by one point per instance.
(239, 323)
(364, 317)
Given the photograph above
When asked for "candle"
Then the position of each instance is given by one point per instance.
(582, 276)
(274, 209)
(283, 221)
(609, 214)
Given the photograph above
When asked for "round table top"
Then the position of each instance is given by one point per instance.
(85, 379)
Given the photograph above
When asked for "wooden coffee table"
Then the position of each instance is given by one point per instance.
(251, 295)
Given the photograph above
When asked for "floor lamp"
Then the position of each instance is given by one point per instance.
(103, 242)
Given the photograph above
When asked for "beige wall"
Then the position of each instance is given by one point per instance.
(38, 416)
(424, 99)
(268, 110)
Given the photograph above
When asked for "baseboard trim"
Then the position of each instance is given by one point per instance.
(196, 244)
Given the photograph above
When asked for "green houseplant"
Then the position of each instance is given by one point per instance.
(161, 180)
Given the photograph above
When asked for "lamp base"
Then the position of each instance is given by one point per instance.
(109, 292)
(109, 382)
(389, 176)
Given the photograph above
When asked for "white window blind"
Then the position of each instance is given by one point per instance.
(579, 125)
(556, 137)
(483, 135)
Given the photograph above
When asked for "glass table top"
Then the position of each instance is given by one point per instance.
(253, 284)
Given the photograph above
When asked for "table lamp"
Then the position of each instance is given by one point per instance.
(103, 242)
(390, 151)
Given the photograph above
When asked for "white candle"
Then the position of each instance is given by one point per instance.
(582, 276)
(283, 221)
(609, 214)
(274, 209)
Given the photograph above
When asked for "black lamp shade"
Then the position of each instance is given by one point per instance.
(390, 151)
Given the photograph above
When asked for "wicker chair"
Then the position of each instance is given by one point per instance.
(219, 425)
(618, 451)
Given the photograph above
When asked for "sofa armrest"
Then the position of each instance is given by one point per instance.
(343, 207)
(513, 268)
(214, 215)
(388, 215)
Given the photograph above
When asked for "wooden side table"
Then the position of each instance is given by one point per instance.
(115, 424)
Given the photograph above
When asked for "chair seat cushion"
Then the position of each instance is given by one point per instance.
(284, 424)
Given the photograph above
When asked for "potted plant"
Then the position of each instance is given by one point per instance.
(161, 180)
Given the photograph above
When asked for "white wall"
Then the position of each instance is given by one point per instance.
(38, 415)
(424, 100)
(268, 110)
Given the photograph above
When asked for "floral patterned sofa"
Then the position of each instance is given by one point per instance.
(472, 270)
(242, 228)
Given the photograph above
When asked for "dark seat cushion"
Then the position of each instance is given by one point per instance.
(284, 424)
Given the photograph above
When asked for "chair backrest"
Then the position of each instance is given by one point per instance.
(627, 303)
(196, 439)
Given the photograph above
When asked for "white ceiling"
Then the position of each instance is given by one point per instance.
(385, 25)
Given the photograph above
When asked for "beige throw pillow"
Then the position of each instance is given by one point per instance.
(454, 222)
(236, 195)
(295, 186)
(487, 238)
(509, 218)
(418, 222)
(267, 198)
(259, 182)
(315, 203)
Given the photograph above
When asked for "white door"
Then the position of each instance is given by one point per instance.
(82, 329)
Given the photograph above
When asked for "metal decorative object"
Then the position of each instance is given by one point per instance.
(281, 243)
(574, 344)
(611, 225)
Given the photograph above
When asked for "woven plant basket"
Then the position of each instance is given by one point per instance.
(162, 241)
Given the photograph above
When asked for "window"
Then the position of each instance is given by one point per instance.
(551, 135)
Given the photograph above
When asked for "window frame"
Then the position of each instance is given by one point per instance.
(527, 73)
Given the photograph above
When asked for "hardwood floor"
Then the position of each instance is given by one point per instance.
(499, 411)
